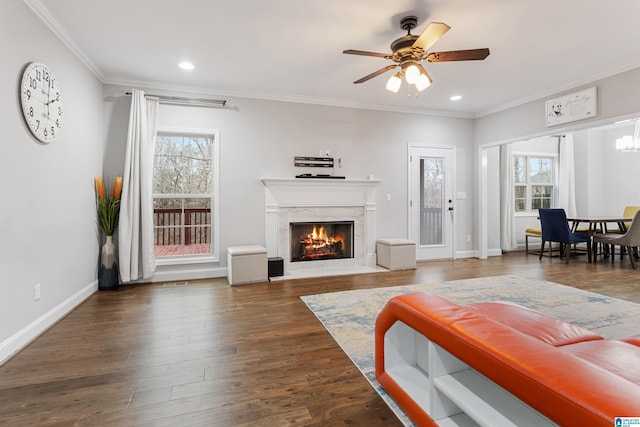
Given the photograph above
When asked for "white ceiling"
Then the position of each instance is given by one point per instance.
(292, 49)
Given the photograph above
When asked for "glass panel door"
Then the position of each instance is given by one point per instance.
(431, 201)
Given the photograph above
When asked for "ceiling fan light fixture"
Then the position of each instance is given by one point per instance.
(412, 73)
(409, 51)
(394, 82)
(423, 82)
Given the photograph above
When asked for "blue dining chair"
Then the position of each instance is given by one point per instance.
(555, 228)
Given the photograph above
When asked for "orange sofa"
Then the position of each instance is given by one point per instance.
(501, 364)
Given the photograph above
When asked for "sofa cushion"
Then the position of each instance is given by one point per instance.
(617, 357)
(538, 325)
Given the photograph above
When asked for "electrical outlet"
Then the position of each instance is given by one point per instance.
(468, 238)
(36, 290)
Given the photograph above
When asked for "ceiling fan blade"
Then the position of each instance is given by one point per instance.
(458, 55)
(430, 35)
(376, 73)
(365, 53)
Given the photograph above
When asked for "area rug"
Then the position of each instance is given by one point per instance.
(349, 316)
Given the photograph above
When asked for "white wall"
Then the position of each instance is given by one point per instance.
(258, 139)
(588, 180)
(48, 231)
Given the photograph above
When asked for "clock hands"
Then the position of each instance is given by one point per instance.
(48, 79)
(45, 113)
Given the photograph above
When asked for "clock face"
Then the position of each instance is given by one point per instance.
(41, 102)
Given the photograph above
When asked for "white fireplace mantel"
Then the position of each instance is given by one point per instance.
(308, 199)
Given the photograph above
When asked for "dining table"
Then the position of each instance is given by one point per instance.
(598, 224)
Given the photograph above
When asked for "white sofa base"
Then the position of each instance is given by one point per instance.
(450, 391)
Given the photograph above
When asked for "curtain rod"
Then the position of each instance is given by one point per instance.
(198, 102)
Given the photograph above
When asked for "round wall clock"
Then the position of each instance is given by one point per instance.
(41, 102)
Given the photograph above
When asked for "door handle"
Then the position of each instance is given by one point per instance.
(450, 208)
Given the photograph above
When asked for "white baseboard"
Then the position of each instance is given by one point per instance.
(23, 337)
(494, 252)
(476, 253)
(466, 254)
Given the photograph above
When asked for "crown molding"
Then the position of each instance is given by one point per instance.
(593, 80)
(328, 102)
(52, 23)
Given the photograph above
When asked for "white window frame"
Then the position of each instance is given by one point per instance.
(214, 256)
(554, 198)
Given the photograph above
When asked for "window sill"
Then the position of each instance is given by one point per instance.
(526, 214)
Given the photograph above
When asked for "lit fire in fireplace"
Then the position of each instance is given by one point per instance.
(320, 245)
(318, 239)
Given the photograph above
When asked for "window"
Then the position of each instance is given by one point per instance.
(533, 180)
(185, 193)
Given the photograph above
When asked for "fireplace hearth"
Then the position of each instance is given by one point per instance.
(313, 241)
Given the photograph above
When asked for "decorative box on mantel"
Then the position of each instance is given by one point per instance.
(292, 200)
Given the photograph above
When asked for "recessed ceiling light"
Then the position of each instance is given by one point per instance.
(456, 98)
(186, 65)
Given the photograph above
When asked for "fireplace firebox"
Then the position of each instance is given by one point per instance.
(311, 241)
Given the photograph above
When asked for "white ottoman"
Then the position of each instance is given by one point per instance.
(396, 253)
(246, 264)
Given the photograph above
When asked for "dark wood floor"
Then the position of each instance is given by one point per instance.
(208, 354)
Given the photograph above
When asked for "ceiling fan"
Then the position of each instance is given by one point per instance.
(409, 51)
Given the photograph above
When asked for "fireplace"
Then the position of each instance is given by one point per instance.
(320, 240)
(319, 201)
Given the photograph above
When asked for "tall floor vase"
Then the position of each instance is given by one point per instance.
(108, 274)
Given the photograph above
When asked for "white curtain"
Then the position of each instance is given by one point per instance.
(507, 218)
(566, 176)
(135, 230)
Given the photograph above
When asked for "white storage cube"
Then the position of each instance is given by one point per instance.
(396, 253)
(246, 264)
